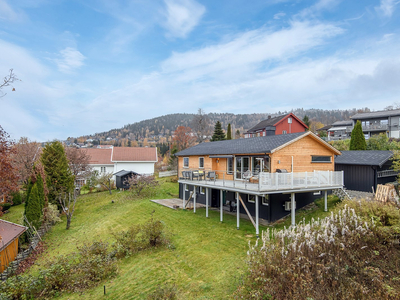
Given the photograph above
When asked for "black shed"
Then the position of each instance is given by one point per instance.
(365, 169)
(121, 178)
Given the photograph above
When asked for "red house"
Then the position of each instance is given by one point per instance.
(278, 125)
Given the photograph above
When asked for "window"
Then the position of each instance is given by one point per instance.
(265, 200)
(321, 159)
(289, 120)
(186, 188)
(202, 190)
(284, 132)
(102, 169)
(186, 162)
(201, 162)
(317, 193)
(251, 198)
(229, 165)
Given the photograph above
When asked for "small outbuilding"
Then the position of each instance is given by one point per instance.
(9, 233)
(365, 169)
(122, 177)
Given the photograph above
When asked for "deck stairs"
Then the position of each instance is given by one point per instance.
(342, 194)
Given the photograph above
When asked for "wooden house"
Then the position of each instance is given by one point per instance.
(365, 169)
(9, 233)
(284, 124)
(267, 177)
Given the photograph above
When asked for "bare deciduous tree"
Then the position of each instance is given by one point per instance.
(8, 173)
(7, 81)
(78, 161)
(142, 184)
(201, 125)
(105, 179)
(27, 153)
(67, 203)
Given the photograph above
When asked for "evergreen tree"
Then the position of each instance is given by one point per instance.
(59, 177)
(219, 134)
(306, 121)
(229, 132)
(40, 188)
(33, 211)
(357, 141)
(237, 134)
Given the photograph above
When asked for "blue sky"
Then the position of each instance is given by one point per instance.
(93, 65)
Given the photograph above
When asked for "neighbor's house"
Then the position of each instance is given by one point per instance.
(9, 233)
(386, 121)
(278, 125)
(140, 160)
(340, 130)
(365, 169)
(267, 177)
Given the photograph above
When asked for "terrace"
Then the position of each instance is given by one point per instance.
(263, 182)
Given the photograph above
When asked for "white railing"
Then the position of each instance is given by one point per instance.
(387, 173)
(264, 181)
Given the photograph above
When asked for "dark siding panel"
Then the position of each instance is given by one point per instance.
(358, 178)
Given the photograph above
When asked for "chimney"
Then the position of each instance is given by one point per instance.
(269, 117)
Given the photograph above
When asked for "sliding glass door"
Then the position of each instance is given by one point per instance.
(242, 165)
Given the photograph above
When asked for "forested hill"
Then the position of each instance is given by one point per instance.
(159, 129)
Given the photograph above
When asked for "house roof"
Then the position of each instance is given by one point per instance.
(342, 123)
(121, 154)
(376, 114)
(273, 122)
(9, 232)
(134, 154)
(99, 156)
(324, 128)
(364, 157)
(263, 144)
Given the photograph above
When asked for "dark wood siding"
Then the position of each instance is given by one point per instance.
(358, 178)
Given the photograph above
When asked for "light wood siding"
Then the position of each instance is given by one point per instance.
(8, 254)
(210, 164)
(302, 151)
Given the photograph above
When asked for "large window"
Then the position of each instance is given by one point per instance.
(321, 159)
(186, 162)
(201, 162)
(229, 165)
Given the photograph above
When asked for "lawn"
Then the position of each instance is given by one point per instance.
(207, 260)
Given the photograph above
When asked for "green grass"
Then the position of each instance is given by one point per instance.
(15, 214)
(207, 260)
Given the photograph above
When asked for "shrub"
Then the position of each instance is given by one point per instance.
(51, 214)
(140, 237)
(167, 292)
(344, 256)
(142, 185)
(5, 206)
(16, 198)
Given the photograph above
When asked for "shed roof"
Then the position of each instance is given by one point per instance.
(376, 114)
(364, 157)
(9, 232)
(263, 144)
(123, 173)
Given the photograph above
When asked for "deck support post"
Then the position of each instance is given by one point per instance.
(183, 196)
(194, 198)
(207, 202)
(326, 201)
(257, 221)
(237, 210)
(221, 201)
(293, 209)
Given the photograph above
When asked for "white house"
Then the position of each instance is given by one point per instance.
(137, 159)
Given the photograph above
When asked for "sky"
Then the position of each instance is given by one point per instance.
(89, 66)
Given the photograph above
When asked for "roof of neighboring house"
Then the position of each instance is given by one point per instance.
(99, 156)
(9, 232)
(134, 154)
(343, 123)
(123, 173)
(324, 128)
(364, 157)
(273, 122)
(263, 144)
(121, 154)
(376, 114)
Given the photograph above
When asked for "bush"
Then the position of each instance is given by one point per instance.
(142, 185)
(16, 198)
(51, 214)
(5, 206)
(140, 237)
(344, 256)
(163, 293)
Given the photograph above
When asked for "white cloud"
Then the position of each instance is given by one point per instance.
(318, 7)
(387, 7)
(8, 14)
(182, 16)
(279, 15)
(70, 60)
